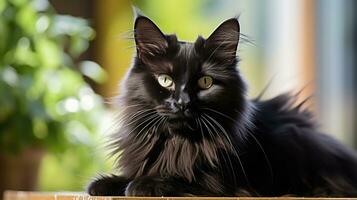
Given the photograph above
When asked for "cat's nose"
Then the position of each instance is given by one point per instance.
(180, 105)
(184, 99)
(183, 106)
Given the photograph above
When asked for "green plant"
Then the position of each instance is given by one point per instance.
(44, 100)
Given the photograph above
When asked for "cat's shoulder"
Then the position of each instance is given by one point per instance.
(283, 123)
(284, 111)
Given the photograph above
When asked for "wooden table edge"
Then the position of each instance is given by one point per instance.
(22, 195)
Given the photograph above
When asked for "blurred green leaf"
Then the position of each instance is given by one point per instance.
(42, 23)
(4, 37)
(40, 128)
(23, 53)
(7, 102)
(26, 18)
(93, 71)
(9, 76)
(68, 25)
(2, 6)
(78, 45)
(48, 52)
(18, 3)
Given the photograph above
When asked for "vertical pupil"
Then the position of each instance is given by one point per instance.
(205, 80)
(165, 79)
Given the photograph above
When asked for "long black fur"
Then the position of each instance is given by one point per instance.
(224, 144)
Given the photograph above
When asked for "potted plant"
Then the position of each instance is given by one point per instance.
(45, 104)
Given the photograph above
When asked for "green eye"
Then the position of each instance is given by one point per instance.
(205, 82)
(165, 80)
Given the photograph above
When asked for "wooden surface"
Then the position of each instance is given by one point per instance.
(18, 195)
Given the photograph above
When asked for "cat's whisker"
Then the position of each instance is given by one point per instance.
(133, 105)
(214, 129)
(232, 149)
(121, 119)
(110, 100)
(121, 109)
(152, 123)
(220, 113)
(121, 123)
(137, 116)
(125, 107)
(211, 135)
(207, 127)
(246, 39)
(127, 34)
(164, 122)
(150, 117)
(156, 125)
(231, 166)
(238, 158)
(118, 115)
(131, 47)
(209, 123)
(256, 140)
(198, 122)
(134, 116)
(223, 131)
(117, 123)
(164, 119)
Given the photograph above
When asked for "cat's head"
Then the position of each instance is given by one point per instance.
(183, 86)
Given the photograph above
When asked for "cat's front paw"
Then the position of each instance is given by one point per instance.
(96, 188)
(108, 186)
(154, 186)
(144, 187)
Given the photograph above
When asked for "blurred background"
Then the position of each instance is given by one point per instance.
(61, 61)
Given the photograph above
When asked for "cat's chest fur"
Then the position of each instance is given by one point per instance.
(171, 155)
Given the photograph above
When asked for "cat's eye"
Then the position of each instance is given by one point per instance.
(205, 82)
(165, 80)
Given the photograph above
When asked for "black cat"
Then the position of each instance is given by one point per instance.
(188, 129)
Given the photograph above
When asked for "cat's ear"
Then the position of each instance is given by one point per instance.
(149, 39)
(222, 43)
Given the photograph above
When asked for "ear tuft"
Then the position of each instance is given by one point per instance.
(150, 41)
(222, 43)
(137, 12)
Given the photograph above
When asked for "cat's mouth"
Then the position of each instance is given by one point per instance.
(181, 125)
(181, 122)
(178, 120)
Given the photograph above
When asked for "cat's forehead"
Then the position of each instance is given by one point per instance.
(186, 52)
(183, 61)
(186, 58)
(190, 61)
